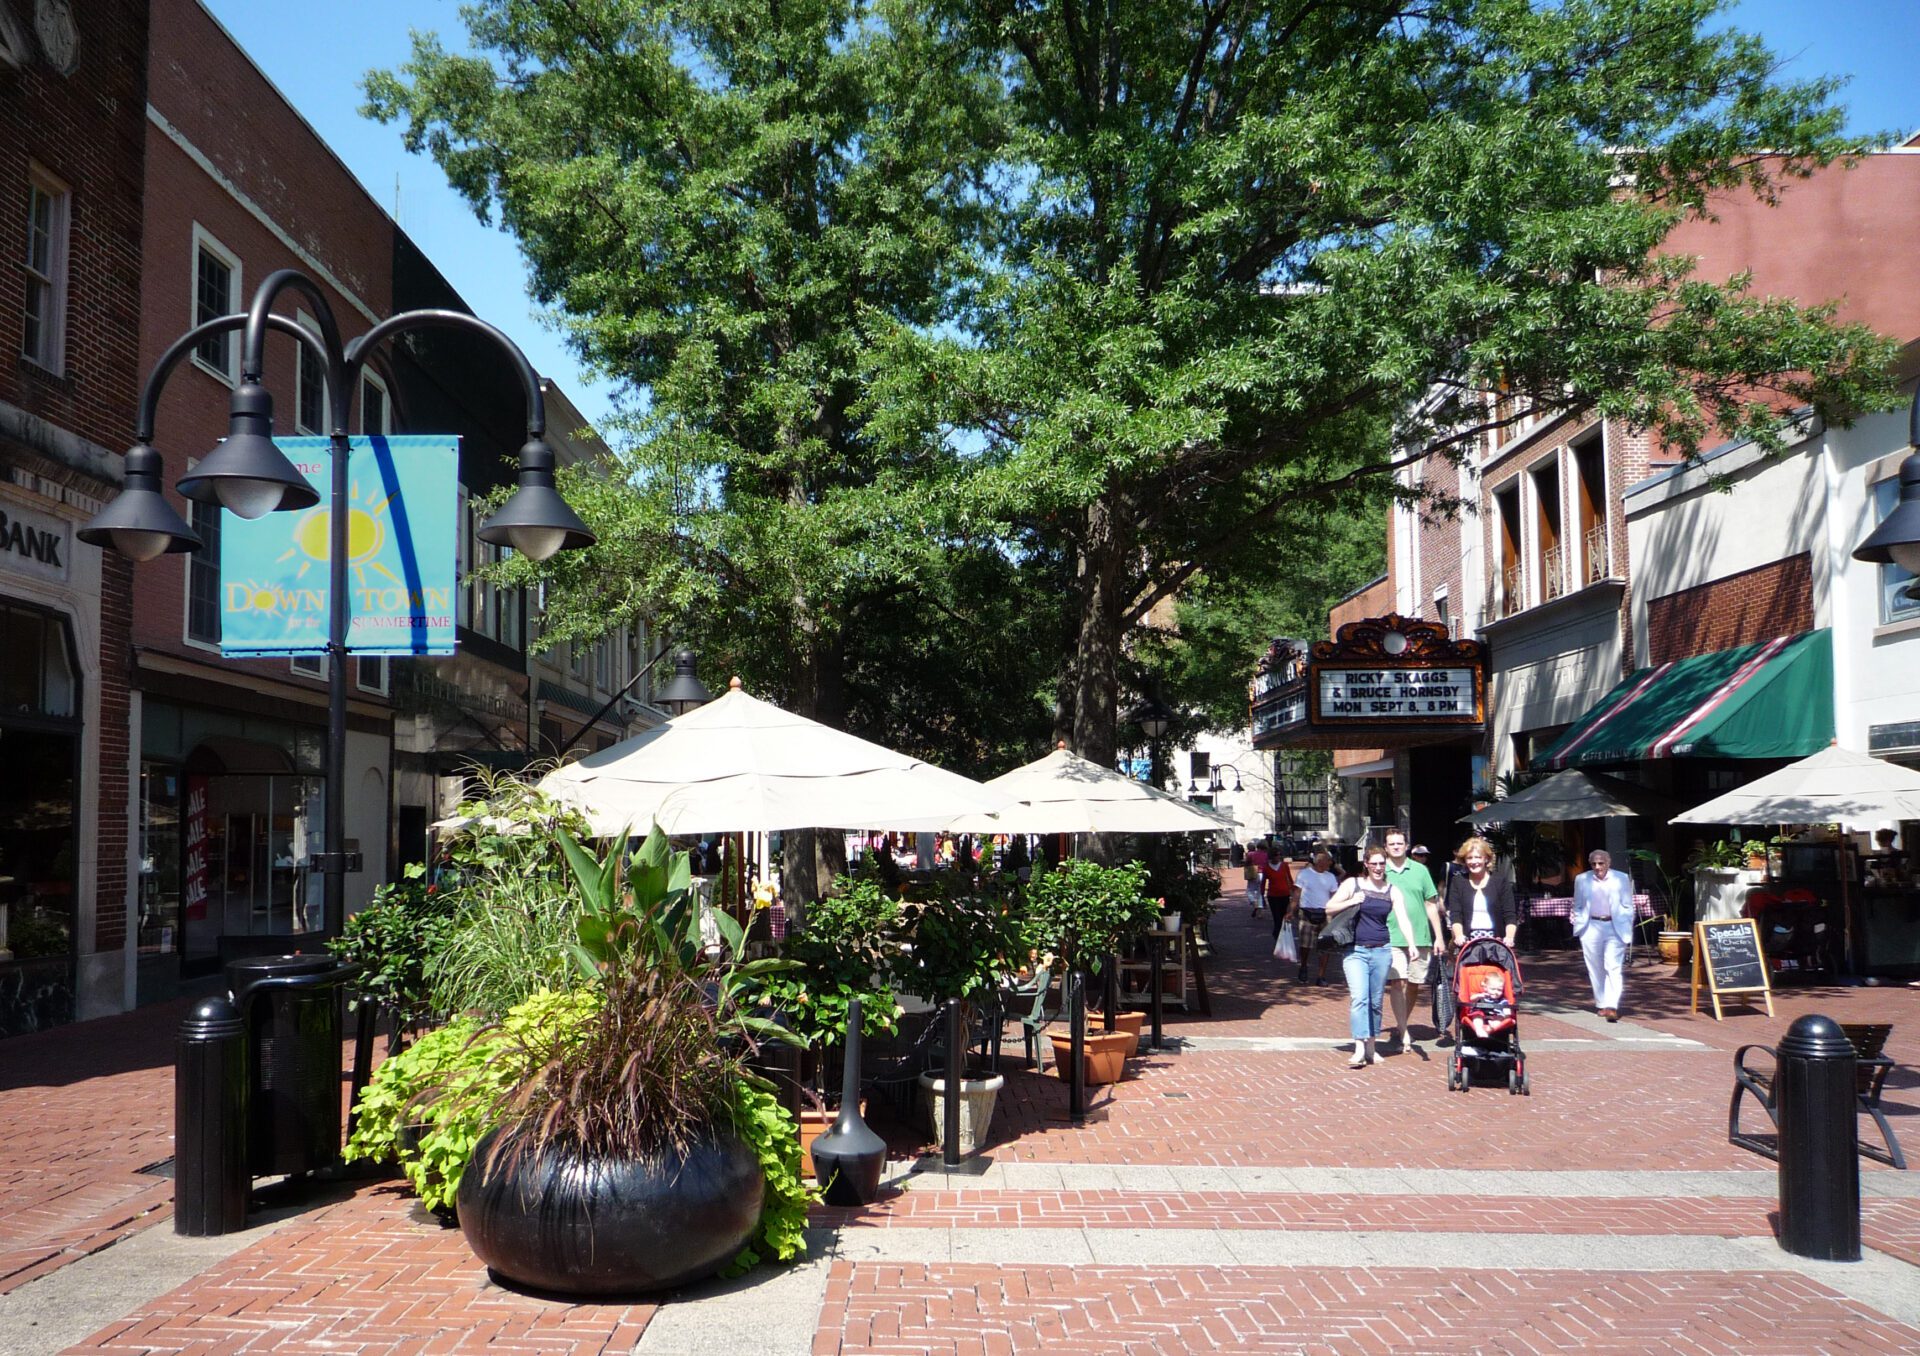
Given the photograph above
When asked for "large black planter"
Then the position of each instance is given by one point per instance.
(552, 1221)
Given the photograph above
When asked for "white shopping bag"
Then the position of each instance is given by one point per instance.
(1288, 947)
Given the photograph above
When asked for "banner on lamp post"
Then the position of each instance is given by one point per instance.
(402, 507)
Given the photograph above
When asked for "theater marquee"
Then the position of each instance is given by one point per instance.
(1385, 681)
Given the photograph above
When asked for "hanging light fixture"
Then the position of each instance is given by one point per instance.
(138, 522)
(684, 691)
(245, 473)
(1896, 541)
(536, 521)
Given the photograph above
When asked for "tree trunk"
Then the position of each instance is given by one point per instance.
(810, 859)
(1094, 666)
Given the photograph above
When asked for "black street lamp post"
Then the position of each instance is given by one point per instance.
(1154, 720)
(249, 476)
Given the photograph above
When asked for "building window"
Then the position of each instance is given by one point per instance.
(373, 404)
(1442, 610)
(309, 665)
(1590, 469)
(44, 340)
(1895, 604)
(203, 576)
(1512, 577)
(603, 664)
(216, 292)
(1552, 551)
(370, 672)
(310, 390)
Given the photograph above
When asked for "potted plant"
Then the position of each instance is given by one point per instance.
(843, 951)
(1082, 913)
(958, 947)
(391, 941)
(609, 1139)
(1716, 871)
(1673, 938)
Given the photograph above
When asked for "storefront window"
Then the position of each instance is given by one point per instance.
(40, 743)
(1895, 605)
(161, 846)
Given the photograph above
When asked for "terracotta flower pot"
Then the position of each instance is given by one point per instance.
(1106, 1055)
(1130, 1022)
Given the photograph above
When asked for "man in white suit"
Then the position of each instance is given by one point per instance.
(1603, 921)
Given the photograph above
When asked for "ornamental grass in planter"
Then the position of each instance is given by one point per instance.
(614, 1141)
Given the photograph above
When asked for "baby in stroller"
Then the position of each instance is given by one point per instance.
(1489, 1010)
(1486, 983)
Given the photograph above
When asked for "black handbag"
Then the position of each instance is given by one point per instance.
(1339, 929)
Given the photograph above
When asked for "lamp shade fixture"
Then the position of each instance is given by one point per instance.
(245, 473)
(138, 522)
(535, 520)
(684, 691)
(1897, 539)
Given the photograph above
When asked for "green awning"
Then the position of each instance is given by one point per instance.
(1769, 700)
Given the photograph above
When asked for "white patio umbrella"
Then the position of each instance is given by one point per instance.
(1571, 795)
(1065, 793)
(741, 765)
(1833, 786)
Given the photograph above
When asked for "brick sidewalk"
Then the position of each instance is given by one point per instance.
(370, 1273)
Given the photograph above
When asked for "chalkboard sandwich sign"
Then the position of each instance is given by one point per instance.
(1727, 956)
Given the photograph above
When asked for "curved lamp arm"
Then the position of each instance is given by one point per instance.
(358, 350)
(186, 343)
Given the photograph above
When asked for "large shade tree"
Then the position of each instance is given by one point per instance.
(1254, 255)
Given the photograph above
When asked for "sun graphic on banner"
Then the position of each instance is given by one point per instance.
(261, 596)
(366, 534)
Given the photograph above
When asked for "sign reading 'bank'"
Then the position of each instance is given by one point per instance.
(402, 506)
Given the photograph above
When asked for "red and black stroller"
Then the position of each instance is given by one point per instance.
(1486, 993)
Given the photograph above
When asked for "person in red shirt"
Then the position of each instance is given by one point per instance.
(1278, 876)
(1256, 868)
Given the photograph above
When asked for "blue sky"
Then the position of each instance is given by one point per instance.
(300, 47)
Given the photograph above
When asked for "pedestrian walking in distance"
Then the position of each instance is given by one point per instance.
(1313, 885)
(1256, 869)
(1603, 921)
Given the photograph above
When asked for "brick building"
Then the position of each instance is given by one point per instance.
(230, 750)
(72, 91)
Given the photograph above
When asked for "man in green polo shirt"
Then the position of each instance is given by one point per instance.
(1411, 955)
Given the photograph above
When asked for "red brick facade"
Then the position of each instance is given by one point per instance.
(85, 130)
(1754, 605)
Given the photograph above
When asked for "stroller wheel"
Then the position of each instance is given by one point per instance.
(1513, 1082)
(1453, 1079)
(1526, 1086)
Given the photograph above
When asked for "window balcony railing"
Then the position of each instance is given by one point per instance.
(1553, 573)
(1512, 590)
(1598, 566)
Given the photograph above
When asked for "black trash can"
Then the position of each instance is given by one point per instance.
(292, 1009)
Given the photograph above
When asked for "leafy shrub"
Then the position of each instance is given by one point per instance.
(1083, 912)
(392, 939)
(846, 946)
(959, 948)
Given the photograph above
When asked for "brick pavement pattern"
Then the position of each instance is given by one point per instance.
(975, 1310)
(371, 1275)
(82, 1109)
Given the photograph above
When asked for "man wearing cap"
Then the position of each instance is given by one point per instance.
(1411, 955)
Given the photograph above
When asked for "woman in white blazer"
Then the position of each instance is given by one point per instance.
(1603, 921)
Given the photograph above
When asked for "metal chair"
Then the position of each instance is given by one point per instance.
(1869, 1042)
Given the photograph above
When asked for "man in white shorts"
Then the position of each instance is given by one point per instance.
(1411, 955)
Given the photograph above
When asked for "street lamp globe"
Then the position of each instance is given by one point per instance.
(138, 522)
(1153, 719)
(684, 691)
(245, 473)
(535, 521)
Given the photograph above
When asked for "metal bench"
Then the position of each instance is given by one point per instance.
(1872, 1067)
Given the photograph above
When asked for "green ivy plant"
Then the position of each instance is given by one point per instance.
(767, 1127)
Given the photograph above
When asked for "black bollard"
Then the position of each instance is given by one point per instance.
(956, 1049)
(849, 1158)
(1077, 1046)
(210, 1179)
(1156, 979)
(1815, 1100)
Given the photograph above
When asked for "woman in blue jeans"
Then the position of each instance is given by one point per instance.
(1370, 958)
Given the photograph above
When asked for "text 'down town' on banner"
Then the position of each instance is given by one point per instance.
(402, 506)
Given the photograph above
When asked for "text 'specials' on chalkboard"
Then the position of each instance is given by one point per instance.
(1728, 958)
